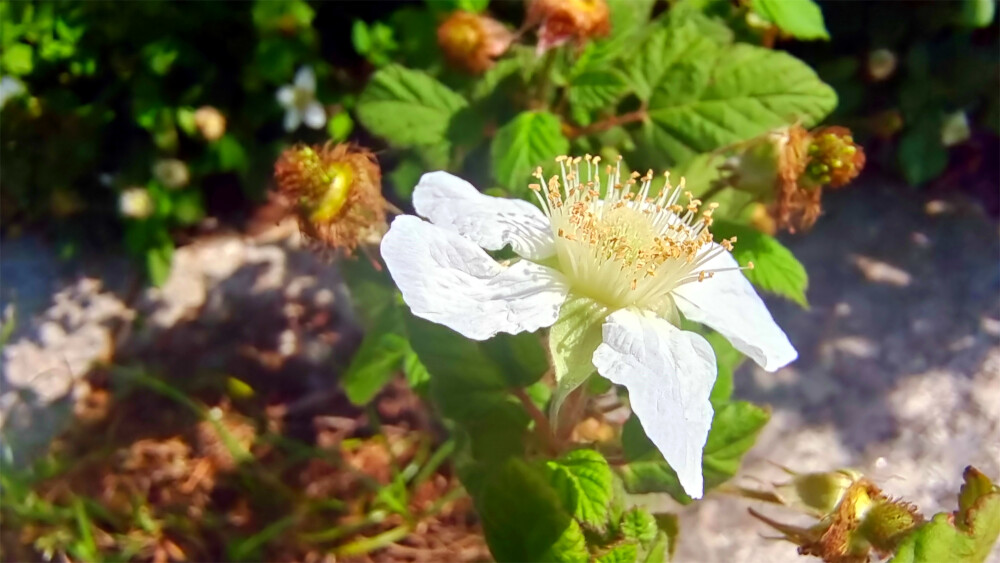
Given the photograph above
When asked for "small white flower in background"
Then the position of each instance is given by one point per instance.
(640, 258)
(172, 173)
(300, 103)
(10, 88)
(135, 203)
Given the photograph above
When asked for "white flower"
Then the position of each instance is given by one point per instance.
(641, 258)
(135, 203)
(10, 88)
(299, 101)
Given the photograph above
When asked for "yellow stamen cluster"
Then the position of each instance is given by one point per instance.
(625, 247)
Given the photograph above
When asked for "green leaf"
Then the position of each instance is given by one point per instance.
(801, 19)
(379, 358)
(470, 383)
(340, 126)
(639, 525)
(626, 552)
(405, 176)
(407, 107)
(727, 358)
(734, 431)
(775, 267)
(583, 481)
(921, 155)
(595, 89)
(967, 536)
(531, 139)
(977, 13)
(371, 290)
(706, 97)
(17, 59)
(159, 258)
(572, 341)
(665, 49)
(735, 427)
(523, 519)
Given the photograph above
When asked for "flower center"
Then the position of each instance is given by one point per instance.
(626, 248)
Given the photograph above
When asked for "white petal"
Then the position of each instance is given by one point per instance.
(447, 279)
(669, 374)
(315, 115)
(286, 96)
(491, 222)
(292, 119)
(305, 79)
(728, 304)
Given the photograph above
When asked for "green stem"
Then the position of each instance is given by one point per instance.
(600, 126)
(368, 545)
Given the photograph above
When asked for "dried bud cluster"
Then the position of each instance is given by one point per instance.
(472, 42)
(788, 168)
(336, 190)
(563, 20)
(855, 517)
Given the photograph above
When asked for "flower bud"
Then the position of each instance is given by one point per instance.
(336, 191)
(834, 158)
(562, 20)
(854, 517)
(135, 203)
(171, 172)
(210, 123)
(471, 42)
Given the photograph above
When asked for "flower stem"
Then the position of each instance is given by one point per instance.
(542, 427)
(631, 117)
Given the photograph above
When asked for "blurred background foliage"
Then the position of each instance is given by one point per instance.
(101, 97)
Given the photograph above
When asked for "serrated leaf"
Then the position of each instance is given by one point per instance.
(639, 525)
(407, 107)
(583, 480)
(734, 431)
(531, 139)
(775, 267)
(724, 96)
(626, 552)
(572, 341)
(523, 519)
(801, 19)
(967, 536)
(664, 49)
(595, 89)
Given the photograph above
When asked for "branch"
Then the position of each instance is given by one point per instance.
(631, 117)
(542, 427)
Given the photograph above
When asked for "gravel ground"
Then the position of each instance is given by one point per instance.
(899, 368)
(898, 376)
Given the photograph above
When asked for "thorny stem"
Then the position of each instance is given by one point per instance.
(542, 427)
(605, 124)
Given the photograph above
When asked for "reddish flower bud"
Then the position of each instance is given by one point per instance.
(562, 20)
(472, 41)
